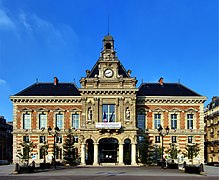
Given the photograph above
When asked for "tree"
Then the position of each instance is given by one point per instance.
(145, 148)
(173, 151)
(24, 154)
(44, 151)
(192, 151)
(69, 149)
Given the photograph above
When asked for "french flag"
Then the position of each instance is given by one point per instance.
(104, 117)
(111, 117)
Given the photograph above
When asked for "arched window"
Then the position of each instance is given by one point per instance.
(108, 46)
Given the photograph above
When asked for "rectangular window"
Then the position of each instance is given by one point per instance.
(58, 139)
(42, 139)
(42, 121)
(141, 122)
(75, 139)
(26, 121)
(75, 121)
(42, 153)
(58, 153)
(108, 112)
(157, 120)
(189, 139)
(174, 139)
(189, 121)
(157, 139)
(173, 121)
(59, 121)
(26, 139)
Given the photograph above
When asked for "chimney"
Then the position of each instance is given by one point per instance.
(56, 81)
(161, 81)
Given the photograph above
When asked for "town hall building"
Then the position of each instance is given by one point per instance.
(106, 115)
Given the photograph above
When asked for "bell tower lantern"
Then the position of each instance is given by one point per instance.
(108, 53)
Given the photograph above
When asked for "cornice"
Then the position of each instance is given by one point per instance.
(45, 99)
(108, 91)
(170, 99)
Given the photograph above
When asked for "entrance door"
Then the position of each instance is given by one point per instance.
(89, 152)
(127, 152)
(108, 148)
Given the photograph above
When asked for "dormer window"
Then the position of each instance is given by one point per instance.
(108, 46)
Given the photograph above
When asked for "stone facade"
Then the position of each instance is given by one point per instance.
(6, 129)
(212, 131)
(110, 111)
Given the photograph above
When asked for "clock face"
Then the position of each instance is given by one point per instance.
(108, 73)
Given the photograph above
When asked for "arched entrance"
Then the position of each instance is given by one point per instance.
(89, 152)
(127, 152)
(108, 148)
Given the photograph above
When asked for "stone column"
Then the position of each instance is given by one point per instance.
(121, 154)
(95, 154)
(83, 148)
(133, 161)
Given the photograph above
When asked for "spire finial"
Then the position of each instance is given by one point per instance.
(108, 25)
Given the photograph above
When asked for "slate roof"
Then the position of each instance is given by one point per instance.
(49, 89)
(167, 89)
(95, 70)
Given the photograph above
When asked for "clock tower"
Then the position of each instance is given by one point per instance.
(108, 70)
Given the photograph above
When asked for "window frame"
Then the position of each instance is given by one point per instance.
(174, 139)
(26, 139)
(42, 139)
(174, 121)
(143, 114)
(190, 139)
(75, 123)
(58, 139)
(46, 120)
(109, 114)
(76, 139)
(56, 120)
(190, 121)
(24, 120)
(157, 139)
(157, 119)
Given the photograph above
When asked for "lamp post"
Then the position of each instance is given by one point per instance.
(55, 134)
(162, 134)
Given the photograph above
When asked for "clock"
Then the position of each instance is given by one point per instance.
(108, 73)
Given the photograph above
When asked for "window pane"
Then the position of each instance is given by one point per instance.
(189, 139)
(75, 121)
(173, 139)
(26, 139)
(157, 139)
(26, 121)
(75, 139)
(108, 112)
(189, 121)
(173, 121)
(58, 139)
(59, 121)
(157, 119)
(141, 121)
(42, 121)
(42, 139)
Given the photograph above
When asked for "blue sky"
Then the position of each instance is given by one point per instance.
(175, 39)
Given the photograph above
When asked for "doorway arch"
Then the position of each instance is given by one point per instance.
(108, 150)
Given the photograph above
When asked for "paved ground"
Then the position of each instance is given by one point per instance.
(102, 173)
